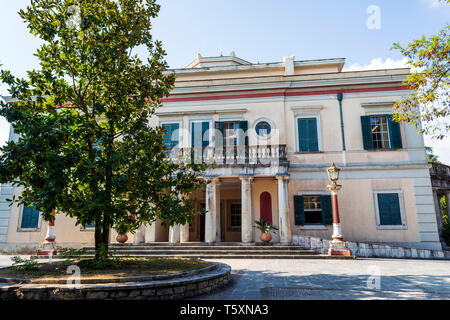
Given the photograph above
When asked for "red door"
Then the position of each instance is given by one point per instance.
(265, 207)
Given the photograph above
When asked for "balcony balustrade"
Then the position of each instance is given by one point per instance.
(260, 155)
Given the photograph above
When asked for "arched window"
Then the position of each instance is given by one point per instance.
(265, 207)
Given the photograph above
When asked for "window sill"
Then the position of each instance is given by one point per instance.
(29, 230)
(87, 229)
(395, 227)
(380, 150)
(308, 152)
(313, 227)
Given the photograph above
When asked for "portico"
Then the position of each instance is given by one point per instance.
(231, 206)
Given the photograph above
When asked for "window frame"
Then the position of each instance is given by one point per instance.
(319, 131)
(388, 131)
(263, 119)
(180, 129)
(229, 226)
(211, 130)
(20, 229)
(312, 226)
(401, 201)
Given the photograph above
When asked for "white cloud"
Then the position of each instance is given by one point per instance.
(435, 3)
(378, 63)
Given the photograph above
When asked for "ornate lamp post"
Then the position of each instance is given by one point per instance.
(48, 247)
(337, 246)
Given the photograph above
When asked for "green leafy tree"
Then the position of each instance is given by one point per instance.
(429, 104)
(85, 146)
(431, 157)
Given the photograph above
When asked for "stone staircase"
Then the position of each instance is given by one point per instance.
(203, 250)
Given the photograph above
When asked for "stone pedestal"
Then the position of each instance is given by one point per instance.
(48, 247)
(184, 232)
(174, 234)
(338, 248)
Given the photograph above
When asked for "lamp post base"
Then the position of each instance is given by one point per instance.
(339, 248)
(47, 248)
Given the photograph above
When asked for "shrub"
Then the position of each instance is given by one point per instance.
(24, 264)
(445, 232)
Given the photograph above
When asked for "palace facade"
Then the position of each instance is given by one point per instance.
(272, 130)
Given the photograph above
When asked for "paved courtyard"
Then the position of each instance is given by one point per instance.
(331, 279)
(336, 279)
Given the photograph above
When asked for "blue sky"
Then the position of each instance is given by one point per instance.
(262, 31)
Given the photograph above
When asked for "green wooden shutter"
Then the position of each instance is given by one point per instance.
(171, 138)
(205, 136)
(243, 125)
(389, 209)
(366, 133)
(299, 211)
(307, 135)
(30, 218)
(219, 134)
(327, 211)
(395, 135)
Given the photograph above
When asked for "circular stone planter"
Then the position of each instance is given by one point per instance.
(159, 287)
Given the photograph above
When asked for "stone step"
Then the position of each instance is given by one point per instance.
(228, 248)
(205, 244)
(233, 256)
(223, 252)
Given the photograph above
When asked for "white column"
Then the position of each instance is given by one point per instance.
(284, 224)
(174, 234)
(211, 211)
(150, 232)
(217, 206)
(247, 210)
(139, 236)
(437, 205)
(184, 232)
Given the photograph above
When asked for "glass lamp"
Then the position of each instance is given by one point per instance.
(333, 173)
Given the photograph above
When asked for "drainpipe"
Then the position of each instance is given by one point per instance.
(339, 97)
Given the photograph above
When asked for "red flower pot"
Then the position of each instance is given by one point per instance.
(266, 237)
(122, 238)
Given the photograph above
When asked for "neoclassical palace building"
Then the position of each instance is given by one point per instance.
(272, 130)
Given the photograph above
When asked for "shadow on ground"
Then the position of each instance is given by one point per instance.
(269, 285)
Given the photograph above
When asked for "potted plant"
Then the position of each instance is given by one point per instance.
(122, 233)
(265, 229)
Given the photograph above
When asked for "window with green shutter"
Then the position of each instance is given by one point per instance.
(200, 134)
(380, 132)
(234, 133)
(299, 213)
(313, 210)
(327, 211)
(308, 139)
(30, 218)
(389, 209)
(172, 134)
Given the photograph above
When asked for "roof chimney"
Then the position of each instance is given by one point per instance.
(289, 65)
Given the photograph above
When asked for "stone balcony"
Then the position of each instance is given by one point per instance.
(260, 155)
(259, 160)
(440, 176)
